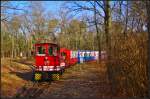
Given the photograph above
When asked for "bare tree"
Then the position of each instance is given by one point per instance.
(97, 31)
(148, 27)
(107, 24)
(95, 22)
(126, 19)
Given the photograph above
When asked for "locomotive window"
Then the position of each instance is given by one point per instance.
(63, 54)
(41, 50)
(50, 51)
(55, 51)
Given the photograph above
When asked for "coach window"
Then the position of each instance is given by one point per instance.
(63, 54)
(85, 54)
(90, 54)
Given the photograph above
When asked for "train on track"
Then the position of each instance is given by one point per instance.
(51, 60)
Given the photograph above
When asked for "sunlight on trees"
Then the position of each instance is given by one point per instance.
(114, 26)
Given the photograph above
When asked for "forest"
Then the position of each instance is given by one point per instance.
(121, 28)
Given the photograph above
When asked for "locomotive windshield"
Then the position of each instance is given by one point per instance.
(53, 51)
(41, 50)
(50, 51)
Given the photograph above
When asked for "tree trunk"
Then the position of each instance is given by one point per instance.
(120, 9)
(132, 27)
(97, 31)
(108, 43)
(12, 50)
(107, 26)
(126, 23)
(2, 49)
(148, 26)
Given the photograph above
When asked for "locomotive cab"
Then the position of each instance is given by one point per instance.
(47, 60)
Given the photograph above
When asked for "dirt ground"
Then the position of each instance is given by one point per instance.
(12, 78)
(87, 80)
(79, 81)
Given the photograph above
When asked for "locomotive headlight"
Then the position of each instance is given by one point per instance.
(46, 61)
(46, 58)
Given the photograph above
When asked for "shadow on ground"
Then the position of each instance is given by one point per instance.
(28, 76)
(24, 75)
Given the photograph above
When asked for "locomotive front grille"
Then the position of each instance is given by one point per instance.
(48, 68)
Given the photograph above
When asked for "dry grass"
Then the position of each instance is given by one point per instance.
(129, 65)
(10, 82)
(80, 81)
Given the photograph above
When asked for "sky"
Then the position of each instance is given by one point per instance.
(53, 5)
(50, 6)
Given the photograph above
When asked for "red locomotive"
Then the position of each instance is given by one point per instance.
(47, 56)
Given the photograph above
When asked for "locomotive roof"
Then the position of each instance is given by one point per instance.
(45, 43)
